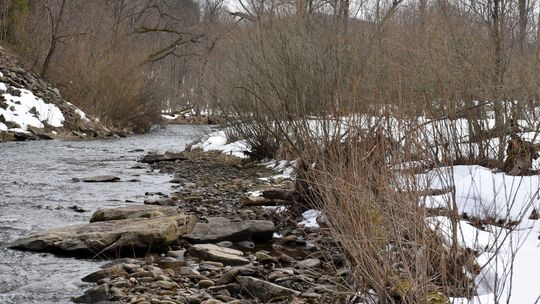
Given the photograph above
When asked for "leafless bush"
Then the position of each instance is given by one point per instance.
(111, 86)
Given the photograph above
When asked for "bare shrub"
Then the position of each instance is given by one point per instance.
(111, 86)
(381, 227)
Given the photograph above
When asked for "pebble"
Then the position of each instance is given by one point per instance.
(203, 284)
(309, 263)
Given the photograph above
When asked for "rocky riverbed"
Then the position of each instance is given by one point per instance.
(198, 243)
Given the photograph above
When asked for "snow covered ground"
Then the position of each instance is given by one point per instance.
(509, 258)
(20, 107)
(217, 141)
(28, 110)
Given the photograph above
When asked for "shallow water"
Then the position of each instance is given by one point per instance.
(36, 189)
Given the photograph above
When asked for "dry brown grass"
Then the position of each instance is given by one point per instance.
(382, 230)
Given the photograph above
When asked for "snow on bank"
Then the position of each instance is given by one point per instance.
(310, 219)
(508, 260)
(482, 193)
(508, 257)
(28, 110)
(170, 117)
(217, 141)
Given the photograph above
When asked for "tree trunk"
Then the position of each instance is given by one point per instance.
(55, 26)
(522, 7)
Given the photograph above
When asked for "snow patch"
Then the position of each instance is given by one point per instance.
(483, 193)
(310, 219)
(28, 110)
(217, 141)
(81, 114)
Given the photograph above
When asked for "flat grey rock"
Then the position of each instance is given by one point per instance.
(222, 229)
(217, 253)
(262, 290)
(131, 212)
(109, 236)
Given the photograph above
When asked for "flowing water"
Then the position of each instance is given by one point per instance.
(36, 191)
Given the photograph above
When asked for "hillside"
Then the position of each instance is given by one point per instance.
(31, 108)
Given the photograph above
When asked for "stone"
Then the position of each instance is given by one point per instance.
(284, 258)
(203, 284)
(228, 277)
(117, 271)
(168, 156)
(94, 295)
(109, 236)
(222, 229)
(130, 212)
(166, 285)
(276, 275)
(264, 291)
(178, 254)
(225, 244)
(163, 201)
(101, 179)
(211, 301)
(263, 257)
(248, 244)
(309, 264)
(216, 253)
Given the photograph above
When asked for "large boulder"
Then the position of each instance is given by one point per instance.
(115, 237)
(131, 212)
(222, 229)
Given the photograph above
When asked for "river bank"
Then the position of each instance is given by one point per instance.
(37, 193)
(237, 253)
(234, 254)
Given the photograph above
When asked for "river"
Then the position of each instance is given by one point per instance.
(36, 191)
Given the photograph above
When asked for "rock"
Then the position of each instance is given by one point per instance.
(228, 277)
(77, 209)
(23, 136)
(101, 179)
(109, 236)
(164, 201)
(5, 136)
(310, 295)
(276, 275)
(117, 271)
(131, 212)
(222, 229)
(168, 156)
(264, 258)
(216, 253)
(41, 133)
(177, 254)
(309, 264)
(225, 244)
(166, 285)
(116, 293)
(203, 284)
(283, 258)
(187, 271)
(122, 261)
(94, 295)
(211, 301)
(248, 244)
(262, 290)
